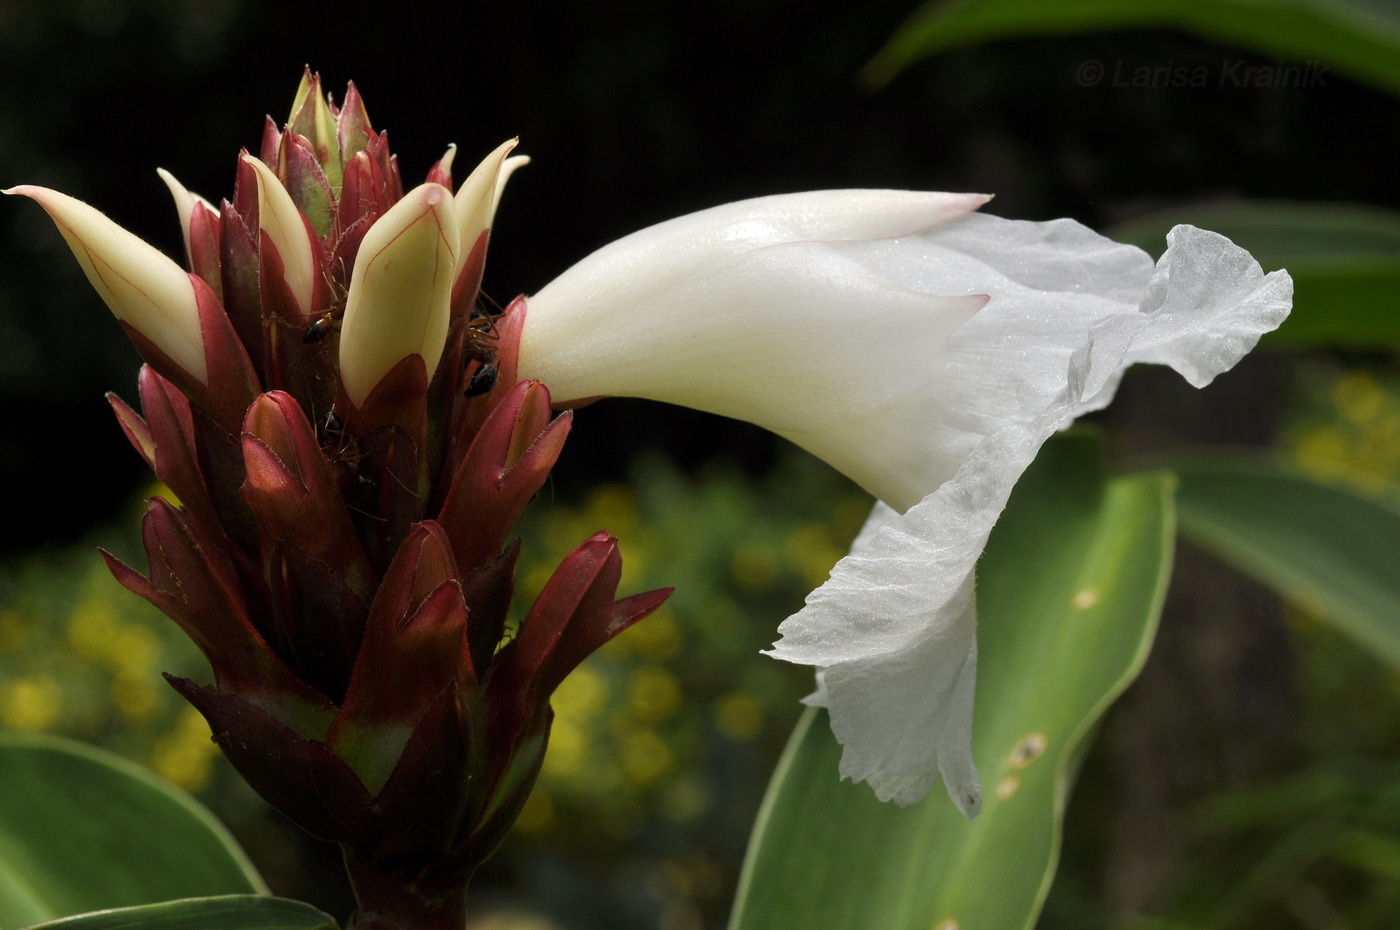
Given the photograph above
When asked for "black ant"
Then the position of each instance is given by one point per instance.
(479, 345)
(482, 380)
(479, 341)
(329, 319)
(320, 328)
(342, 449)
(333, 426)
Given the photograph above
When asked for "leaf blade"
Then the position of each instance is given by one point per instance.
(1360, 40)
(224, 912)
(826, 853)
(1330, 547)
(81, 830)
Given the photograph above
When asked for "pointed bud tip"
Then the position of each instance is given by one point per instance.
(32, 191)
(289, 231)
(141, 285)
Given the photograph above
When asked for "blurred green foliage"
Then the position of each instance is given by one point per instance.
(85, 830)
(1320, 847)
(1357, 37)
(1347, 427)
(80, 657)
(662, 742)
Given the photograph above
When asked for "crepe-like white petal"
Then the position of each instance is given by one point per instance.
(888, 624)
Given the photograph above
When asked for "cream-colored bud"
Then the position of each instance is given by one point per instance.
(400, 298)
(508, 168)
(141, 285)
(448, 157)
(284, 224)
(475, 202)
(184, 204)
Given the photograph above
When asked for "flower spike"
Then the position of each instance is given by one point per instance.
(350, 447)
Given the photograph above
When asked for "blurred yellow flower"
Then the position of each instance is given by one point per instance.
(32, 703)
(653, 694)
(739, 716)
(185, 757)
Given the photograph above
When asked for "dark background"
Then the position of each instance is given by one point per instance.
(633, 111)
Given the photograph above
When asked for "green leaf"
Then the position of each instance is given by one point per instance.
(1069, 591)
(1344, 259)
(1329, 548)
(1357, 38)
(229, 912)
(82, 830)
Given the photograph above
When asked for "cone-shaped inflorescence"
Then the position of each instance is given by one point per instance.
(350, 454)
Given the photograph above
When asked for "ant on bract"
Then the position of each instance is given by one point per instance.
(320, 328)
(343, 450)
(328, 320)
(479, 345)
(340, 447)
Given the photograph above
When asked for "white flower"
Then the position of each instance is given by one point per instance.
(927, 352)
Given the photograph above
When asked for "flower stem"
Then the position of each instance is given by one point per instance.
(387, 903)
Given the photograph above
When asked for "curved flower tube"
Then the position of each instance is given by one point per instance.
(927, 352)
